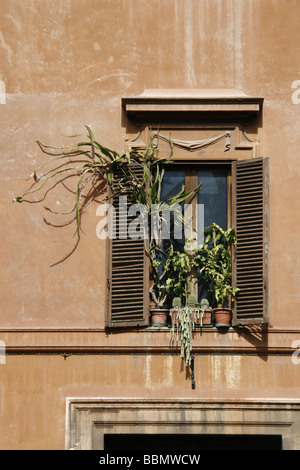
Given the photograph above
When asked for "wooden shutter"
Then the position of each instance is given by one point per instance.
(127, 274)
(250, 180)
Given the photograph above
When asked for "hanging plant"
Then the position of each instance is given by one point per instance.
(184, 320)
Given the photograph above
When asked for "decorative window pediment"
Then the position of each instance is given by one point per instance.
(210, 124)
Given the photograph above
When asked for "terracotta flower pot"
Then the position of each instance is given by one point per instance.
(222, 316)
(206, 319)
(159, 316)
(174, 315)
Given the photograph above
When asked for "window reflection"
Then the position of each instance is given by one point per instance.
(212, 199)
(172, 183)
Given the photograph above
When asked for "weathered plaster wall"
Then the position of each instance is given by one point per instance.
(68, 63)
(33, 398)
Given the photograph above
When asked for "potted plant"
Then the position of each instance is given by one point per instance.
(169, 267)
(215, 263)
(90, 163)
(176, 306)
(170, 273)
(206, 314)
(171, 270)
(160, 272)
(180, 264)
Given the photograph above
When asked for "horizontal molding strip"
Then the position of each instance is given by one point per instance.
(119, 403)
(149, 340)
(39, 329)
(148, 103)
(138, 350)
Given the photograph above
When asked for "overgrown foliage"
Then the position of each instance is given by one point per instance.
(100, 164)
(214, 259)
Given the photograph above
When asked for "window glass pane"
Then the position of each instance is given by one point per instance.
(212, 199)
(212, 207)
(172, 183)
(174, 235)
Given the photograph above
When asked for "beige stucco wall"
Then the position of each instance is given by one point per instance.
(36, 387)
(66, 64)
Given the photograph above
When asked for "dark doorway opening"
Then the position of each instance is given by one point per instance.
(192, 442)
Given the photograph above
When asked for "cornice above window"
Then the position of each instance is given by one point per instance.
(203, 101)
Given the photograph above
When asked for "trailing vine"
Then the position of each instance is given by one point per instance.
(183, 325)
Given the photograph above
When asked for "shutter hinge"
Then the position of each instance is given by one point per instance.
(108, 282)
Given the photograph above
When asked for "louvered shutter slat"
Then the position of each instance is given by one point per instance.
(128, 279)
(250, 257)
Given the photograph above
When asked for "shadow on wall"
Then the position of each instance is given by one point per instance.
(81, 171)
(257, 335)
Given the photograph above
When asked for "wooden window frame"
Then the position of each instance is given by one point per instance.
(191, 179)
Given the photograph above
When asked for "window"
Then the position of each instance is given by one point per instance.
(241, 186)
(234, 193)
